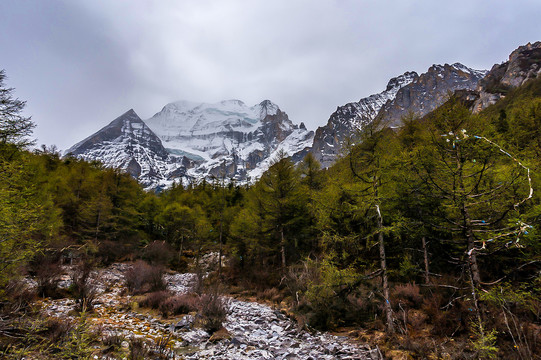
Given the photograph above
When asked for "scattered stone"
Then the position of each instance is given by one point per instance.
(251, 330)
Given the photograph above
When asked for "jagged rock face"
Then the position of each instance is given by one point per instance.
(128, 143)
(408, 93)
(429, 91)
(524, 64)
(191, 141)
(349, 118)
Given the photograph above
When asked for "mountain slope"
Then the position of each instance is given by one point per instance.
(429, 90)
(349, 118)
(524, 64)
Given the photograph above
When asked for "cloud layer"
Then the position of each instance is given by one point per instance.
(79, 64)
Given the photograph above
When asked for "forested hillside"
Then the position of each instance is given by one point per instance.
(427, 234)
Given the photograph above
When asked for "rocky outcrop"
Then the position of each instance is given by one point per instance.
(251, 330)
(524, 64)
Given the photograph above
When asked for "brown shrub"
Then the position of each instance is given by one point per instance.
(179, 304)
(111, 251)
(82, 287)
(57, 330)
(446, 320)
(143, 277)
(408, 294)
(138, 349)
(47, 270)
(272, 294)
(213, 312)
(416, 319)
(158, 253)
(20, 297)
(155, 299)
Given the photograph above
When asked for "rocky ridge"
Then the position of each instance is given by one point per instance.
(127, 143)
(428, 91)
(347, 119)
(407, 93)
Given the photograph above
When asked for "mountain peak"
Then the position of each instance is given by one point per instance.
(399, 81)
(267, 108)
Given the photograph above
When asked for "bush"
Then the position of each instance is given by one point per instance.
(169, 304)
(138, 349)
(57, 330)
(47, 270)
(158, 253)
(408, 294)
(155, 299)
(179, 304)
(213, 312)
(71, 340)
(111, 251)
(143, 277)
(446, 320)
(272, 294)
(19, 297)
(82, 287)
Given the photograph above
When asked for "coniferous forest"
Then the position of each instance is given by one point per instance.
(418, 238)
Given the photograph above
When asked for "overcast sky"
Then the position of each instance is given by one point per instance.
(80, 64)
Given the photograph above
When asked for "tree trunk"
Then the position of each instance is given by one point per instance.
(221, 248)
(467, 225)
(180, 247)
(384, 279)
(425, 253)
(98, 224)
(283, 249)
(472, 258)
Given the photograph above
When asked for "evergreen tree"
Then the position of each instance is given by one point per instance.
(282, 202)
(15, 128)
(369, 163)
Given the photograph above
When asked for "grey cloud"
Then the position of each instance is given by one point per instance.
(82, 63)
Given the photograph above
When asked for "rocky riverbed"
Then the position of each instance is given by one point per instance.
(252, 330)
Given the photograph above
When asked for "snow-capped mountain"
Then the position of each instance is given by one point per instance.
(410, 92)
(229, 132)
(189, 141)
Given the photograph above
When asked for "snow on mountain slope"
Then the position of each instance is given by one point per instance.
(410, 92)
(227, 137)
(429, 90)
